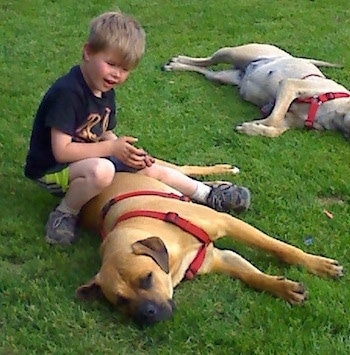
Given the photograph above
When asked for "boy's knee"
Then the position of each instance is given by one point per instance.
(101, 173)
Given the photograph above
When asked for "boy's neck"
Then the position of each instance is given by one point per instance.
(88, 81)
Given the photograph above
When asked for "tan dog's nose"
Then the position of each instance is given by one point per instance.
(149, 312)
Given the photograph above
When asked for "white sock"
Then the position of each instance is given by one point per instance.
(63, 207)
(201, 193)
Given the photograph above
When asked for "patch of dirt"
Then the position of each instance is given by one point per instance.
(331, 200)
(9, 268)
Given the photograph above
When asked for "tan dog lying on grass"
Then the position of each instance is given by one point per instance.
(153, 239)
(292, 92)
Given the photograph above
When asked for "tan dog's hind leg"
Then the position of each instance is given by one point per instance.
(194, 170)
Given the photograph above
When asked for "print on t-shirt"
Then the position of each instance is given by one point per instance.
(94, 127)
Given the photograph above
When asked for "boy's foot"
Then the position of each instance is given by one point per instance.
(225, 198)
(60, 228)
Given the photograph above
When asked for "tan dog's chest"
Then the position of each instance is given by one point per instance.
(182, 246)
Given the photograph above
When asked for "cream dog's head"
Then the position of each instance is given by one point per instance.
(138, 282)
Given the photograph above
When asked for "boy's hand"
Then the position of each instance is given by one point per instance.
(149, 160)
(127, 153)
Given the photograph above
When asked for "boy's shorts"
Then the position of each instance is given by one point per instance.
(56, 181)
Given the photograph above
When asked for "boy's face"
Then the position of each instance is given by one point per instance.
(103, 70)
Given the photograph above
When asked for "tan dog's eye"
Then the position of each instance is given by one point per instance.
(146, 282)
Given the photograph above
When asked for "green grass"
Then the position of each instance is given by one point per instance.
(184, 119)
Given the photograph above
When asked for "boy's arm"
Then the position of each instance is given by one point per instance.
(67, 151)
(109, 136)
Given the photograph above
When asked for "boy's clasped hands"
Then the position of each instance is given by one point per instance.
(125, 151)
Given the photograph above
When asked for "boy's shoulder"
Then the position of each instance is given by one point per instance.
(71, 82)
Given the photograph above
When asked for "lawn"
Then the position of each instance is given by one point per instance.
(184, 119)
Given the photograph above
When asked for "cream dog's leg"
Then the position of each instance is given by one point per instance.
(225, 77)
(276, 124)
(259, 129)
(239, 56)
(290, 89)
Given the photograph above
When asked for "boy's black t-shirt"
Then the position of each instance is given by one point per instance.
(71, 107)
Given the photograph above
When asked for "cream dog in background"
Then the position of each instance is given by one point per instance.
(292, 92)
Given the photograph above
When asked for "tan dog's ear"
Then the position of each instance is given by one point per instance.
(155, 248)
(90, 291)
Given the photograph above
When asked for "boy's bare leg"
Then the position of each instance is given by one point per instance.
(87, 178)
(223, 197)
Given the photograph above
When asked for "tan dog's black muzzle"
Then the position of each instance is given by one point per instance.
(149, 312)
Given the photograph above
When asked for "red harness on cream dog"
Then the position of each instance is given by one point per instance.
(314, 101)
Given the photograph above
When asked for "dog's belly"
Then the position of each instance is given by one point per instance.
(262, 77)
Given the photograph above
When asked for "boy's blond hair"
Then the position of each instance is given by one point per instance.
(120, 33)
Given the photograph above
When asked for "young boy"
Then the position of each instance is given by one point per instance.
(73, 150)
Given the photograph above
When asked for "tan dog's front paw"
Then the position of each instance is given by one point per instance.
(321, 266)
(293, 292)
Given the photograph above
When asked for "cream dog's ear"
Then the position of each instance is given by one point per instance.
(155, 248)
(89, 291)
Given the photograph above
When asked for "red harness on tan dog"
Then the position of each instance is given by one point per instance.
(171, 217)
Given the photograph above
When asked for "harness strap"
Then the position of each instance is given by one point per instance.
(184, 224)
(115, 199)
(170, 217)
